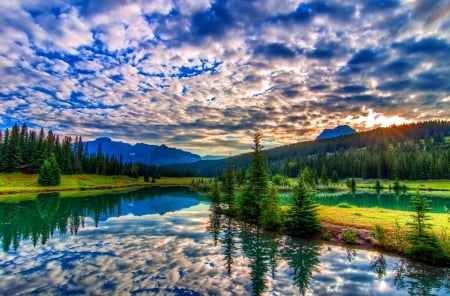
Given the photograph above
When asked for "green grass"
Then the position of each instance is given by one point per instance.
(16, 186)
(431, 185)
(367, 218)
(344, 205)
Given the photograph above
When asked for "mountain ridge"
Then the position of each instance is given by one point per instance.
(289, 159)
(157, 155)
(340, 130)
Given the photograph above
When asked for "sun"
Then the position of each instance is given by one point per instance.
(373, 119)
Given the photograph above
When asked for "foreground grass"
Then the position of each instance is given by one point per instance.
(363, 221)
(366, 218)
(14, 184)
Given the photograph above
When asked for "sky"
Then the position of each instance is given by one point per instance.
(205, 75)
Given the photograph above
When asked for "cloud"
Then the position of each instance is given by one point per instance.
(275, 50)
(217, 68)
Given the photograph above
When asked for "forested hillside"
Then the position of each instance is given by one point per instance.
(410, 151)
(26, 150)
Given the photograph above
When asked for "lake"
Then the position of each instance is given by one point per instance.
(167, 241)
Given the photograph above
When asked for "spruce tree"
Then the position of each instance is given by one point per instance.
(302, 218)
(12, 158)
(424, 245)
(270, 216)
(4, 162)
(256, 189)
(214, 193)
(49, 173)
(229, 186)
(45, 174)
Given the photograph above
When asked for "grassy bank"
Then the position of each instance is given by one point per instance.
(361, 224)
(428, 185)
(19, 184)
(366, 218)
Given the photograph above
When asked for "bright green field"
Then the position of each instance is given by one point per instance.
(17, 183)
(432, 185)
(367, 218)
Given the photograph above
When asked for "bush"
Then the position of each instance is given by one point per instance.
(398, 238)
(380, 235)
(344, 205)
(327, 235)
(428, 249)
(349, 236)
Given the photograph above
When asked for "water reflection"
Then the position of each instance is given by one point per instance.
(303, 260)
(279, 265)
(38, 220)
(189, 251)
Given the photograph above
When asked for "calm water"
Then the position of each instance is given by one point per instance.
(168, 242)
(385, 199)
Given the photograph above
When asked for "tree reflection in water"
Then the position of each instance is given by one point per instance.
(264, 251)
(39, 219)
(419, 280)
(303, 260)
(378, 265)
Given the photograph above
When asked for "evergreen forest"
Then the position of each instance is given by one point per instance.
(417, 151)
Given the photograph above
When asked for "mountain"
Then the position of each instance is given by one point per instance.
(341, 130)
(213, 157)
(140, 152)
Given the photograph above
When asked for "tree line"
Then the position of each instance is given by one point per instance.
(24, 149)
(417, 151)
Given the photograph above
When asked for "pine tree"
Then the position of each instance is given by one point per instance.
(424, 245)
(23, 139)
(324, 176)
(38, 153)
(45, 174)
(256, 189)
(4, 163)
(229, 186)
(302, 216)
(214, 194)
(66, 156)
(50, 173)
(100, 162)
(13, 157)
(270, 216)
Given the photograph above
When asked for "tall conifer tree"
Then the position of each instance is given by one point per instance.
(256, 189)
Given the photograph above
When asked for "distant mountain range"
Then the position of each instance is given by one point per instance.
(213, 157)
(341, 130)
(140, 152)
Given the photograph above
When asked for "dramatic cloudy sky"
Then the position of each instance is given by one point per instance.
(203, 75)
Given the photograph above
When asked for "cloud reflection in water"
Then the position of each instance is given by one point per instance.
(176, 254)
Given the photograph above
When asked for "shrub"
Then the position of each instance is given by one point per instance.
(349, 236)
(344, 205)
(327, 235)
(398, 238)
(380, 235)
(428, 249)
